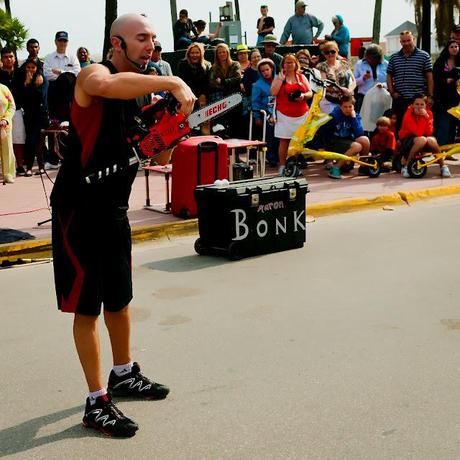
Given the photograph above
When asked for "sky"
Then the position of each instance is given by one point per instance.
(84, 19)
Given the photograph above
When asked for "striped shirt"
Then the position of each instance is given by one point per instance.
(408, 72)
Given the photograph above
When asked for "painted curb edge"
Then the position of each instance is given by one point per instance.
(42, 248)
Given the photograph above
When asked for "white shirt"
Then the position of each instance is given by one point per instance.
(64, 62)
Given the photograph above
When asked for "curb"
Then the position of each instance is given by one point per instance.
(395, 199)
(42, 248)
(429, 193)
(354, 204)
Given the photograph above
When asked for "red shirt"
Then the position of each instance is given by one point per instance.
(416, 125)
(381, 142)
(287, 107)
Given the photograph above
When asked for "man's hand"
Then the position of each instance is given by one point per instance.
(184, 96)
(56, 71)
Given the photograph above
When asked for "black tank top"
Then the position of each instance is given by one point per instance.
(96, 141)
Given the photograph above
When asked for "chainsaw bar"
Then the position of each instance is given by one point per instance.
(214, 110)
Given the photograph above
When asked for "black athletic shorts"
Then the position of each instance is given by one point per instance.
(92, 260)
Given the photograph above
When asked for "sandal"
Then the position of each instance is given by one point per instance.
(28, 173)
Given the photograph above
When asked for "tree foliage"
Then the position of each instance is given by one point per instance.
(12, 32)
(444, 18)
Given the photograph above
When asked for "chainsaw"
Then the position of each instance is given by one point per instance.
(161, 126)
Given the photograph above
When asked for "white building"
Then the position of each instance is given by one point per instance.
(392, 44)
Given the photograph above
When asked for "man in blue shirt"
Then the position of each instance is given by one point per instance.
(300, 26)
(409, 72)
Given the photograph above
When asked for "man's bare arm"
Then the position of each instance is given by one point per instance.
(97, 81)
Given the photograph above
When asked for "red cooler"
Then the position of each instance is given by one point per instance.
(196, 161)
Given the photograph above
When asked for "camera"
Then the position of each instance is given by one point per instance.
(293, 95)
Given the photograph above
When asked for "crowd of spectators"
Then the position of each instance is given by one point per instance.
(39, 91)
(356, 119)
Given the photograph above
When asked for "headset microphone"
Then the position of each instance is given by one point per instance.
(124, 47)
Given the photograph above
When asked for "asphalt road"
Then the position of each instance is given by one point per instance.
(346, 349)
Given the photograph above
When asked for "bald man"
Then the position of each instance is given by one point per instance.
(91, 233)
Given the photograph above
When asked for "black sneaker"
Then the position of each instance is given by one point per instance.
(137, 385)
(20, 171)
(105, 417)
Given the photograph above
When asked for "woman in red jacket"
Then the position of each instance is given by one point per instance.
(416, 134)
(292, 91)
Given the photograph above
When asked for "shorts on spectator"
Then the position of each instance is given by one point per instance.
(19, 130)
(338, 145)
(286, 126)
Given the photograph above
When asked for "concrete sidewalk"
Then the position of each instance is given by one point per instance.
(25, 203)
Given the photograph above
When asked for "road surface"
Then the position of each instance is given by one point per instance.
(346, 349)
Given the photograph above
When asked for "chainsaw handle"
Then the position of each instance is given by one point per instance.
(151, 112)
(172, 104)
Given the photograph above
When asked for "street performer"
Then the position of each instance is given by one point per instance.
(91, 234)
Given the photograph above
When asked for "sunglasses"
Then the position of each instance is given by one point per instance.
(330, 52)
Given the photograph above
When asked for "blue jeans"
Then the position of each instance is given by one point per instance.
(183, 43)
(445, 125)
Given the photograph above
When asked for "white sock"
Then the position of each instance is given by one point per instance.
(96, 394)
(122, 369)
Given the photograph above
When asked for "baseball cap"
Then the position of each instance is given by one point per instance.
(158, 45)
(300, 3)
(61, 35)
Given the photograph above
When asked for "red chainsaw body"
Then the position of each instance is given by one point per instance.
(166, 129)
